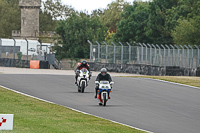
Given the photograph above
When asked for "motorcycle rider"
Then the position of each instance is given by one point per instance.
(102, 76)
(81, 65)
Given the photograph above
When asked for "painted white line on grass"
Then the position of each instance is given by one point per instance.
(74, 109)
(174, 83)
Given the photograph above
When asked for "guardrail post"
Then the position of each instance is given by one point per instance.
(106, 51)
(178, 60)
(173, 56)
(141, 52)
(90, 50)
(129, 52)
(14, 48)
(168, 54)
(114, 51)
(146, 52)
(27, 50)
(150, 53)
(155, 52)
(159, 53)
(192, 55)
(188, 53)
(122, 51)
(163, 55)
(183, 62)
(197, 55)
(98, 51)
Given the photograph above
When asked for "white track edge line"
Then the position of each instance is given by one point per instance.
(173, 83)
(73, 109)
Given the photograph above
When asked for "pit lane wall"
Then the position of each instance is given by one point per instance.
(146, 69)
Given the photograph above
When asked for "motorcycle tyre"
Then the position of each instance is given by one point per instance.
(83, 87)
(104, 99)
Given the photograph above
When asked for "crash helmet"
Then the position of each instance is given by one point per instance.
(84, 63)
(103, 71)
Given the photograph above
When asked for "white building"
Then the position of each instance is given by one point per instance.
(33, 46)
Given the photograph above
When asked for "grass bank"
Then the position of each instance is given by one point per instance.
(192, 81)
(35, 116)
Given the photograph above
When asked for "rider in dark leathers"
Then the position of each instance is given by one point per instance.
(81, 65)
(102, 76)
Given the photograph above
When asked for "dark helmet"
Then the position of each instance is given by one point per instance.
(84, 62)
(103, 70)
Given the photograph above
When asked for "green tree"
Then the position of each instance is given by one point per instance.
(133, 23)
(10, 17)
(158, 30)
(111, 16)
(74, 32)
(46, 22)
(57, 9)
(186, 30)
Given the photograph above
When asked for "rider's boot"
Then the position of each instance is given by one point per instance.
(96, 93)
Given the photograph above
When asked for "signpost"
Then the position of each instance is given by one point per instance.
(6, 121)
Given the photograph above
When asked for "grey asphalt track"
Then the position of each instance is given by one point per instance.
(143, 103)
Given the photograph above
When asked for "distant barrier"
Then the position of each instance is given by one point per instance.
(146, 69)
(145, 54)
(5, 62)
(14, 63)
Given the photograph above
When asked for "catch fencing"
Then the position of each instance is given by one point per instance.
(186, 56)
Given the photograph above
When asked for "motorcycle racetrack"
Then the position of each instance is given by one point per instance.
(147, 104)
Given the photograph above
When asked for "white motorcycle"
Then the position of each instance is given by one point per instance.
(104, 91)
(83, 79)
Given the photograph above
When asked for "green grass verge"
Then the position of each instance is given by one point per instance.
(35, 116)
(193, 81)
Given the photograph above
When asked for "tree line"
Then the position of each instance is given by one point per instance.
(155, 21)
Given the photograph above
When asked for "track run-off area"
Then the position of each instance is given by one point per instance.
(151, 105)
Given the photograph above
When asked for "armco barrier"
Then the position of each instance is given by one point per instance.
(146, 69)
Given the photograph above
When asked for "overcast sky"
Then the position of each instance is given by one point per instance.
(89, 5)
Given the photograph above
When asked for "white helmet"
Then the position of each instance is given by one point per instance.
(103, 70)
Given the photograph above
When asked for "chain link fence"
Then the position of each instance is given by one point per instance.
(149, 54)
